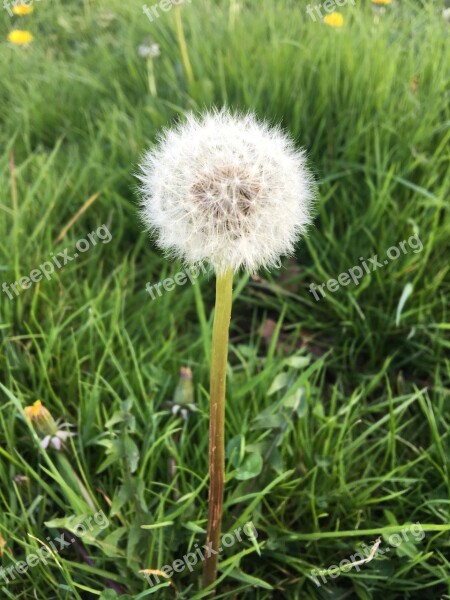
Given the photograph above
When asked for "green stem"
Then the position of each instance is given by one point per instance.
(151, 77)
(224, 288)
(183, 45)
(232, 13)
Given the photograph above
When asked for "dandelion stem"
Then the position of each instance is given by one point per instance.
(151, 77)
(183, 45)
(224, 288)
(232, 13)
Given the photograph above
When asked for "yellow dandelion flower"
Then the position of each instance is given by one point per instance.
(20, 37)
(46, 426)
(21, 9)
(383, 2)
(40, 416)
(334, 19)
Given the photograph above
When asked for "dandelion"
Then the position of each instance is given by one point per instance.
(53, 435)
(22, 9)
(230, 190)
(20, 37)
(50, 430)
(183, 403)
(334, 19)
(150, 51)
(39, 416)
(183, 398)
(381, 2)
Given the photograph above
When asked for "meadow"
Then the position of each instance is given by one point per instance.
(338, 412)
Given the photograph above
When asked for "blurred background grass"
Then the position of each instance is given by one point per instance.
(338, 410)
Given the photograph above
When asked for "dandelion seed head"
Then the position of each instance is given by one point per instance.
(149, 50)
(227, 189)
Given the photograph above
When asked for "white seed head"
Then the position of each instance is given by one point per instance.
(226, 189)
(149, 50)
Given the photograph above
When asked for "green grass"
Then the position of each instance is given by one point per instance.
(340, 419)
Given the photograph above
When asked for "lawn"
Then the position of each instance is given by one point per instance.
(338, 411)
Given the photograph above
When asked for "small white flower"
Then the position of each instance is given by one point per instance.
(227, 189)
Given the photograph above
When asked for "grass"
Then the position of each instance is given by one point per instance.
(338, 409)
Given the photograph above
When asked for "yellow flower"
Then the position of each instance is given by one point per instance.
(20, 37)
(39, 415)
(381, 1)
(334, 20)
(46, 426)
(21, 9)
(2, 545)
